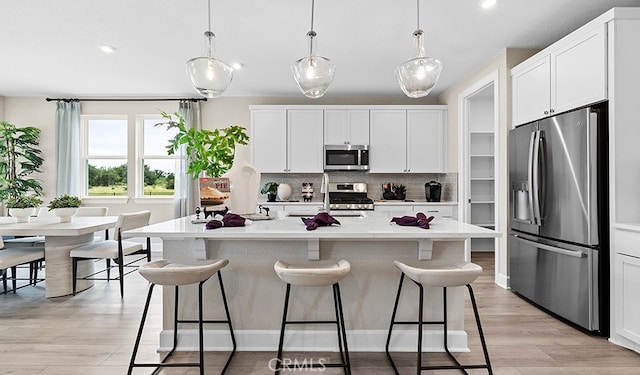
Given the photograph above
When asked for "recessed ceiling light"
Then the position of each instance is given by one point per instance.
(488, 3)
(107, 49)
(236, 65)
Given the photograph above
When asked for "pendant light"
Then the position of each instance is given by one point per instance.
(418, 75)
(313, 73)
(208, 75)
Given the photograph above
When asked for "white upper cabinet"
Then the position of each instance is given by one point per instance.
(579, 71)
(569, 74)
(532, 92)
(286, 140)
(346, 126)
(426, 141)
(269, 140)
(407, 141)
(305, 140)
(388, 151)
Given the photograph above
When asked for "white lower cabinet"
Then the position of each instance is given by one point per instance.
(627, 297)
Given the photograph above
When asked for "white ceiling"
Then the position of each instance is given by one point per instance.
(50, 48)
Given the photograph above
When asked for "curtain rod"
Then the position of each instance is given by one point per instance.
(125, 100)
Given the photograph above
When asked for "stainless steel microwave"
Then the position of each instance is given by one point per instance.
(346, 157)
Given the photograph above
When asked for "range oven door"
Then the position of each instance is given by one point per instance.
(559, 277)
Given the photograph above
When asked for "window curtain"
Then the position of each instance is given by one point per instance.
(186, 189)
(68, 148)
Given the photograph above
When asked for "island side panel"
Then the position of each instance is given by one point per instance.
(255, 294)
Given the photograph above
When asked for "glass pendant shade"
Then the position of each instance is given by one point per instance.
(208, 75)
(313, 74)
(418, 75)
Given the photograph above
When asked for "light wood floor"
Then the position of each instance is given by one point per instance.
(93, 334)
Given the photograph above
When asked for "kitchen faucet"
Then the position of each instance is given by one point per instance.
(324, 189)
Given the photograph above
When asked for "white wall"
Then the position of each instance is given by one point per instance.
(35, 111)
(502, 62)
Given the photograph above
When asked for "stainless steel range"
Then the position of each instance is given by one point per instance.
(349, 196)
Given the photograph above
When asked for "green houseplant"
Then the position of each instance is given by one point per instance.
(271, 189)
(65, 206)
(22, 207)
(208, 151)
(19, 158)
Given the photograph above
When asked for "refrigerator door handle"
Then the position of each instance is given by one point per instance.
(535, 178)
(575, 254)
(541, 182)
(530, 190)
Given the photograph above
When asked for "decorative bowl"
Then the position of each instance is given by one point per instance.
(64, 214)
(22, 214)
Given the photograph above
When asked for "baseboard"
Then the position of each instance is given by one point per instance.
(320, 340)
(502, 281)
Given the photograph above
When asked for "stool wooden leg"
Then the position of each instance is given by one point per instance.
(345, 357)
(144, 317)
(226, 310)
(446, 330)
(200, 328)
(480, 332)
(282, 329)
(420, 323)
(393, 320)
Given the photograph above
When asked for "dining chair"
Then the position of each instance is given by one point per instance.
(13, 257)
(115, 249)
(95, 211)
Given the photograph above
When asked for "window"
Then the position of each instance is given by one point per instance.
(127, 159)
(158, 168)
(105, 156)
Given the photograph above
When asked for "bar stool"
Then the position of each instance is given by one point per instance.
(310, 277)
(453, 275)
(166, 273)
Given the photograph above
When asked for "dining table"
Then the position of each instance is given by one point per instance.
(59, 240)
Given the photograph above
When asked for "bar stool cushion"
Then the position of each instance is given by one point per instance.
(16, 256)
(449, 275)
(316, 276)
(165, 272)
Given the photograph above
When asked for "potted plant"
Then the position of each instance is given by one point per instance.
(271, 189)
(208, 151)
(23, 207)
(64, 207)
(19, 158)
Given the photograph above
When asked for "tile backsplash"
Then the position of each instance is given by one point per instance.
(413, 182)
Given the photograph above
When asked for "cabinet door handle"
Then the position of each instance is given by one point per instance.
(552, 110)
(546, 112)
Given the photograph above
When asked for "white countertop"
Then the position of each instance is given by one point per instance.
(291, 228)
(375, 203)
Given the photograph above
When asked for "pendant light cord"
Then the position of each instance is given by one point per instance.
(209, 13)
(311, 33)
(418, 14)
(312, 12)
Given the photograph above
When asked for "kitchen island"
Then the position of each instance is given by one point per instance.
(256, 294)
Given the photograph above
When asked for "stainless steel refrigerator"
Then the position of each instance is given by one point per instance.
(558, 242)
